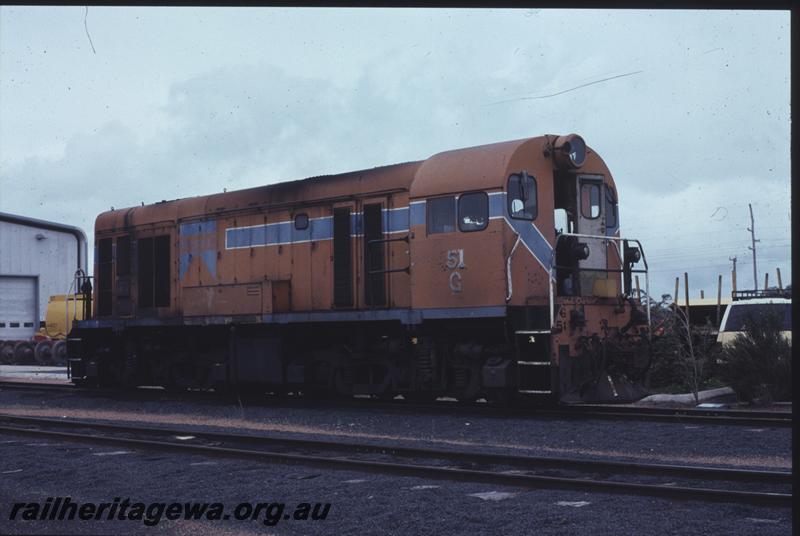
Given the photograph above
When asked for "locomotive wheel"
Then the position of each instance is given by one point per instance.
(318, 384)
(466, 384)
(24, 353)
(343, 382)
(85, 383)
(183, 377)
(172, 385)
(317, 393)
(130, 368)
(420, 397)
(6, 353)
(385, 389)
(59, 353)
(43, 353)
(499, 397)
(222, 388)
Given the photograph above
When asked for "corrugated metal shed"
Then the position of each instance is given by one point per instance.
(38, 258)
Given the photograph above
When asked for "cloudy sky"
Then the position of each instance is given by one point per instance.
(689, 109)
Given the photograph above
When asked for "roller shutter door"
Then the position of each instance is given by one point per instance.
(17, 307)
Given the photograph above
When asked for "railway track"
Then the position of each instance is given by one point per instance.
(45, 386)
(751, 418)
(440, 464)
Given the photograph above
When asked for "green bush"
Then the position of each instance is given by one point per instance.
(758, 363)
(678, 364)
(665, 367)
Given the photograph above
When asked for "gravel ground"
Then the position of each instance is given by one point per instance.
(731, 446)
(35, 469)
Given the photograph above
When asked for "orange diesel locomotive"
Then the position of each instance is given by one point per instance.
(495, 271)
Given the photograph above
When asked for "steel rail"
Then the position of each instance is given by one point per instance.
(675, 411)
(583, 411)
(436, 472)
(14, 384)
(729, 417)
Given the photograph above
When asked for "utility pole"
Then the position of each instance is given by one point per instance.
(686, 293)
(733, 275)
(677, 279)
(753, 247)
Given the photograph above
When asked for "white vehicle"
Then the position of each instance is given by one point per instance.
(737, 312)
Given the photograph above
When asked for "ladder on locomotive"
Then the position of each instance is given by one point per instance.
(533, 362)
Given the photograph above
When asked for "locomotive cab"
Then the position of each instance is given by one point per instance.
(592, 269)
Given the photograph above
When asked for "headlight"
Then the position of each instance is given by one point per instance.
(570, 151)
(580, 250)
(632, 255)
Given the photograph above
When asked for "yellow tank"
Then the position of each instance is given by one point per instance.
(60, 314)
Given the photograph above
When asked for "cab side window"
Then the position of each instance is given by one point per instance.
(590, 200)
(522, 196)
(441, 215)
(473, 211)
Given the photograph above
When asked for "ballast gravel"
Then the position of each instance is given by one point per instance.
(360, 503)
(635, 441)
(34, 469)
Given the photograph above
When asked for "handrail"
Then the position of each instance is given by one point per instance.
(66, 302)
(509, 286)
(607, 270)
(607, 239)
(372, 243)
(77, 284)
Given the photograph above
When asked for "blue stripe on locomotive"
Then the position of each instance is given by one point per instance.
(284, 232)
(394, 221)
(527, 230)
